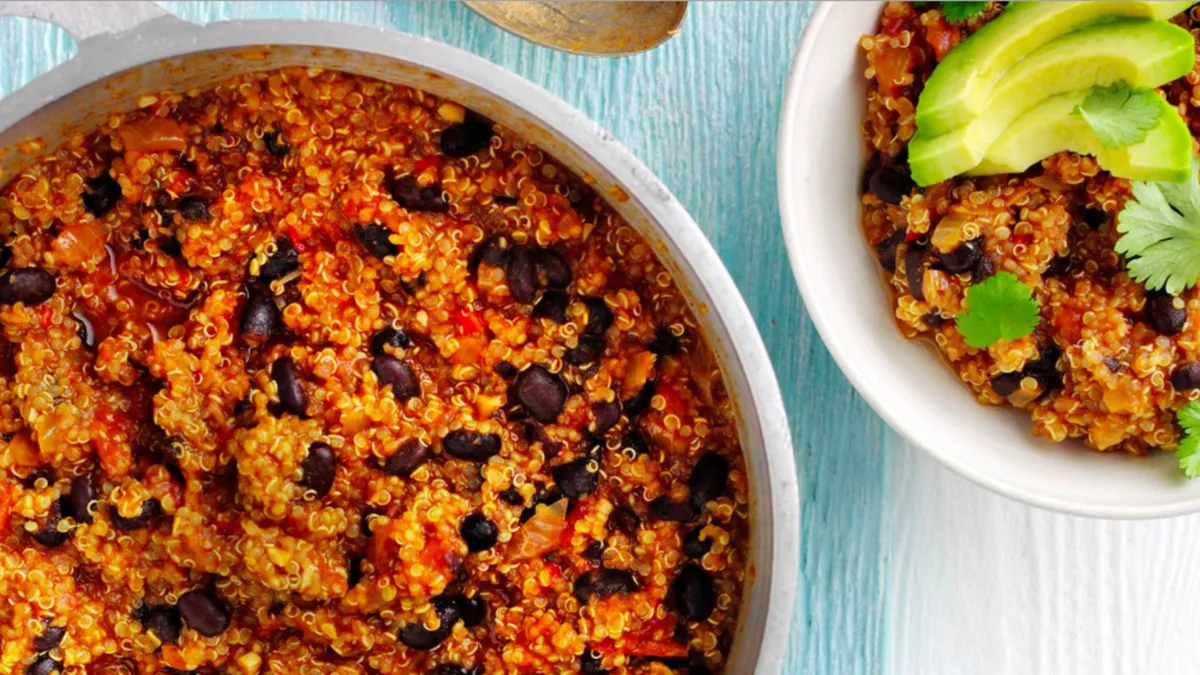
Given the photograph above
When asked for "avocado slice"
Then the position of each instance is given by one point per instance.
(1138, 52)
(958, 89)
(1164, 155)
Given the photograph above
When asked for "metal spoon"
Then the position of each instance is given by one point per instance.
(592, 28)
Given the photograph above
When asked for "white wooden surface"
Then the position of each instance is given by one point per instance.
(907, 569)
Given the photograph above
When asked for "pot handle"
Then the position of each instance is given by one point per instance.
(84, 20)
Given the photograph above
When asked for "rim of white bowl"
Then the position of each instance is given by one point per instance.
(790, 127)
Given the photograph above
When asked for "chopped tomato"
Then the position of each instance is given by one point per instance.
(893, 68)
(942, 36)
(116, 456)
(672, 400)
(468, 321)
(1023, 238)
(425, 163)
(582, 509)
(297, 240)
(1069, 323)
(541, 533)
(153, 134)
(46, 315)
(5, 507)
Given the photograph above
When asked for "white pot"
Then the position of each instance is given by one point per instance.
(821, 160)
(127, 49)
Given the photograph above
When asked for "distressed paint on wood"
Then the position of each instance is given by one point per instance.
(906, 568)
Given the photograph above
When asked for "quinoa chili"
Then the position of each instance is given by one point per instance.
(312, 373)
(1109, 363)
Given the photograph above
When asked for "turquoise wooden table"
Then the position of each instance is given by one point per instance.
(906, 568)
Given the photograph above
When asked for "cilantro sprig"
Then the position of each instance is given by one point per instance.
(1188, 452)
(958, 12)
(1120, 116)
(998, 307)
(1161, 234)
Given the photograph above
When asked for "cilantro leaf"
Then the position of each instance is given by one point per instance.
(1161, 228)
(998, 307)
(1120, 116)
(957, 12)
(1188, 453)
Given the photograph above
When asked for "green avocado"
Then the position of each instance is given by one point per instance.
(1164, 155)
(958, 89)
(1140, 53)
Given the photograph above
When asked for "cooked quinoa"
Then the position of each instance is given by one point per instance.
(1110, 363)
(313, 373)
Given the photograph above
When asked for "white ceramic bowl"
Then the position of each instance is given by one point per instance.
(821, 161)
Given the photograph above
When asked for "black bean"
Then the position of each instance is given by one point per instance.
(694, 593)
(589, 350)
(164, 622)
(471, 445)
(890, 185)
(30, 285)
(1186, 377)
(275, 145)
(286, 375)
(194, 209)
(933, 320)
(394, 373)
(42, 472)
(150, 510)
(1007, 383)
(594, 553)
(636, 441)
(694, 546)
(101, 194)
(1094, 218)
(591, 663)
(873, 163)
(709, 479)
(1045, 369)
(640, 401)
(389, 337)
(85, 330)
(664, 343)
(466, 138)
(575, 479)
(417, 636)
(205, 612)
(522, 273)
(376, 240)
(603, 582)
(964, 258)
(541, 393)
(83, 493)
(983, 270)
(451, 669)
(506, 370)
(512, 496)
(44, 665)
(887, 249)
(5, 255)
(473, 610)
(261, 318)
(49, 536)
(169, 245)
(407, 192)
(493, 251)
(50, 638)
(552, 306)
(600, 317)
(605, 415)
(696, 664)
(1059, 265)
(1165, 313)
(555, 266)
(479, 532)
(354, 573)
(624, 519)
(914, 271)
(663, 508)
(319, 468)
(411, 455)
(284, 261)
